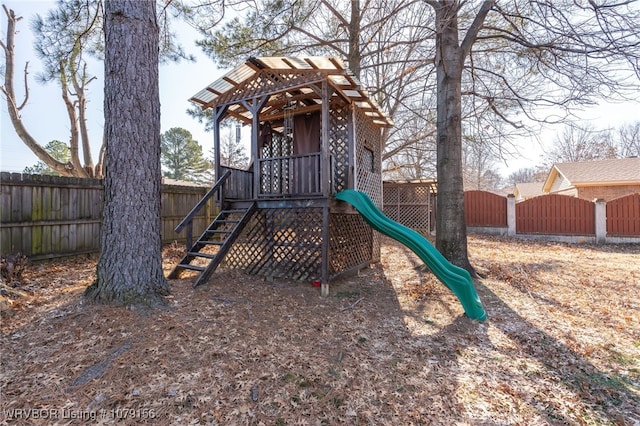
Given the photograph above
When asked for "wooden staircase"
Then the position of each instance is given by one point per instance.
(221, 234)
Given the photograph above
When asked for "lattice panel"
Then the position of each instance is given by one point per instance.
(339, 146)
(392, 212)
(411, 204)
(280, 146)
(280, 243)
(390, 195)
(351, 243)
(415, 217)
(414, 194)
(368, 139)
(269, 82)
(274, 177)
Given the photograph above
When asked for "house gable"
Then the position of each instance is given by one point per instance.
(606, 179)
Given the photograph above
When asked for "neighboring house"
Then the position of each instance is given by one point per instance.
(524, 191)
(599, 179)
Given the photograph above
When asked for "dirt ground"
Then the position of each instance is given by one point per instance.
(390, 346)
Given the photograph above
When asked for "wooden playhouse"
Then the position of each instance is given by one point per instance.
(314, 132)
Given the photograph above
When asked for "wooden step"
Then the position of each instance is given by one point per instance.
(226, 238)
(198, 254)
(233, 211)
(192, 267)
(213, 243)
(219, 231)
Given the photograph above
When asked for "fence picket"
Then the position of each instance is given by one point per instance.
(623, 216)
(46, 216)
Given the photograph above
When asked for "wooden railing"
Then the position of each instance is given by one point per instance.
(239, 185)
(188, 219)
(298, 175)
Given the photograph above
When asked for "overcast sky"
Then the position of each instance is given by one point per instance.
(45, 115)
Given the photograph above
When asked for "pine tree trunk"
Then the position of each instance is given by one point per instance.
(451, 231)
(130, 267)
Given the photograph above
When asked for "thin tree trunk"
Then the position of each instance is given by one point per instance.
(82, 119)
(354, 39)
(130, 267)
(74, 150)
(65, 169)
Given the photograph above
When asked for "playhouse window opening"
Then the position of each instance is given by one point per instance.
(368, 160)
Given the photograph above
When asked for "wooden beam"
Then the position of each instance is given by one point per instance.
(201, 102)
(234, 83)
(297, 111)
(239, 117)
(215, 92)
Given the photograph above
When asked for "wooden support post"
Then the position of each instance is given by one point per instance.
(254, 107)
(352, 179)
(218, 115)
(255, 155)
(325, 252)
(324, 143)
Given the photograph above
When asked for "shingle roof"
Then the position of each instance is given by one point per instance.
(529, 189)
(621, 170)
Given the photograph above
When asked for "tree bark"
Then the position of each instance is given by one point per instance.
(355, 58)
(451, 231)
(129, 271)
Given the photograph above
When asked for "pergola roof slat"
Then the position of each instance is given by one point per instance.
(302, 72)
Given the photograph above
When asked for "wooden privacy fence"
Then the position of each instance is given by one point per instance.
(483, 208)
(557, 215)
(623, 216)
(49, 216)
(554, 214)
(413, 204)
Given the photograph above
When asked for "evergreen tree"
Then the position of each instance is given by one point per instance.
(232, 152)
(182, 156)
(58, 150)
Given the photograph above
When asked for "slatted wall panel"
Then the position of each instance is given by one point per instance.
(482, 208)
(623, 216)
(555, 214)
(49, 216)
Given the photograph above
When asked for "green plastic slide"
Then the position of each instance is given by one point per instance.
(456, 279)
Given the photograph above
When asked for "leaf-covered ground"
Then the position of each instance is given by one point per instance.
(390, 346)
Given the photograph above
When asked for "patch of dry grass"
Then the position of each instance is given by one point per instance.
(389, 346)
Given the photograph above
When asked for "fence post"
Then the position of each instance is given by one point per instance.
(601, 221)
(511, 215)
